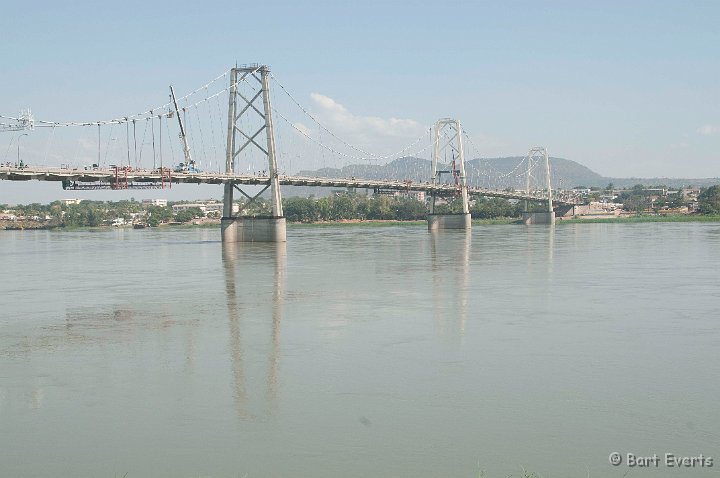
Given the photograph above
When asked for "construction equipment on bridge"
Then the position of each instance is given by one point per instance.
(189, 165)
(120, 181)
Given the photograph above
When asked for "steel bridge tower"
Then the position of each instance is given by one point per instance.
(448, 139)
(536, 156)
(246, 122)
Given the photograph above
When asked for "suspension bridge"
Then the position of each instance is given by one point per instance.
(250, 139)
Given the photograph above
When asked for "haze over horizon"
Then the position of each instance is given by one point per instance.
(628, 89)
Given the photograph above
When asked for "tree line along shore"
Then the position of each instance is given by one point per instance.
(637, 204)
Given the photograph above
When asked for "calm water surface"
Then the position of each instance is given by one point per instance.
(359, 352)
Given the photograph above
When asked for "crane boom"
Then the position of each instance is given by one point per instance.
(189, 165)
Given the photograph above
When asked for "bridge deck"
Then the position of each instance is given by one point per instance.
(157, 176)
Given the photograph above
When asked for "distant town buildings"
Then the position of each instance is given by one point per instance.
(205, 206)
(417, 195)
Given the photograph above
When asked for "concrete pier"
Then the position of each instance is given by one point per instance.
(438, 222)
(253, 229)
(538, 218)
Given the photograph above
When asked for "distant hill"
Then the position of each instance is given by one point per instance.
(497, 173)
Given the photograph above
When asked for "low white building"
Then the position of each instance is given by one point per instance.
(155, 202)
(70, 202)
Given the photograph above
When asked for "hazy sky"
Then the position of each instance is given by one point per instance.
(627, 88)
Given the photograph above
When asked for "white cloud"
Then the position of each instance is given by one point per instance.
(709, 129)
(367, 131)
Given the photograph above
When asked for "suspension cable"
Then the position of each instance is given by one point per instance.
(144, 115)
(213, 138)
(12, 138)
(202, 137)
(142, 143)
(152, 131)
(160, 139)
(127, 141)
(107, 145)
(47, 145)
(135, 142)
(320, 125)
(323, 127)
(172, 148)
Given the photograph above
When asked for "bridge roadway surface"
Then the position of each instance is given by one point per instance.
(136, 178)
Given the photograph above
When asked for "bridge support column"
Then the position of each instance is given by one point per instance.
(538, 217)
(253, 229)
(536, 154)
(438, 222)
(271, 228)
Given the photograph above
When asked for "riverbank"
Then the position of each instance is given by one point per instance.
(383, 223)
(642, 218)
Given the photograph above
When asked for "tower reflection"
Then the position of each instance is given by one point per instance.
(540, 247)
(450, 265)
(254, 285)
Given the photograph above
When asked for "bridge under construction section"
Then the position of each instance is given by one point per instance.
(250, 127)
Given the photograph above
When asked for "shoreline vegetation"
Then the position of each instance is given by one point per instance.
(636, 205)
(387, 223)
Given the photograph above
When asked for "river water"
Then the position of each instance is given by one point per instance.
(359, 352)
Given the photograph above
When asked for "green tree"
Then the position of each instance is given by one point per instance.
(300, 209)
(362, 207)
(380, 208)
(93, 217)
(677, 200)
(636, 203)
(409, 209)
(188, 214)
(453, 206)
(488, 208)
(341, 207)
(159, 214)
(709, 200)
(323, 208)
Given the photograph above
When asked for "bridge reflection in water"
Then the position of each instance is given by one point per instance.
(255, 341)
(450, 265)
